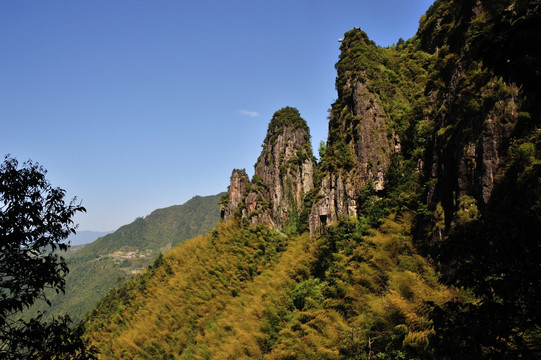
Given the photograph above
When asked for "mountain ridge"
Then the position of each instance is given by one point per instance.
(114, 258)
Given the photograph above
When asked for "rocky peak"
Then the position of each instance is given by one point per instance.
(360, 141)
(283, 174)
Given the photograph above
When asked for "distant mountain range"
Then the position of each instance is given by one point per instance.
(86, 237)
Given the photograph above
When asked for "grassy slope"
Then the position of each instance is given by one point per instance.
(249, 292)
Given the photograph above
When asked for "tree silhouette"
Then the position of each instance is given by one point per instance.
(34, 222)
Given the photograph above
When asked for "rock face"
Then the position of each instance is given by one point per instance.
(239, 182)
(465, 161)
(372, 142)
(284, 174)
(337, 197)
(360, 141)
(476, 115)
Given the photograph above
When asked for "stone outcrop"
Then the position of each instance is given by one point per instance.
(458, 143)
(360, 143)
(465, 163)
(239, 182)
(372, 143)
(283, 174)
(336, 197)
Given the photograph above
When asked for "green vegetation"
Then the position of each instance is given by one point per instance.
(442, 262)
(285, 117)
(34, 223)
(364, 298)
(111, 260)
(484, 86)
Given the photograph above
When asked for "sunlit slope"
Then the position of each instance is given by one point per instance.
(249, 292)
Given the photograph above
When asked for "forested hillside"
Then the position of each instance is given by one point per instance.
(417, 235)
(112, 259)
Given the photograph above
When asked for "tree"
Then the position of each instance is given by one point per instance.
(34, 222)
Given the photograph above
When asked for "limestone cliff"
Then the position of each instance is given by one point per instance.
(283, 175)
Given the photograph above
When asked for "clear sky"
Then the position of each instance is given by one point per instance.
(136, 105)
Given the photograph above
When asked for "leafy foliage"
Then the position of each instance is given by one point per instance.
(365, 299)
(484, 80)
(496, 255)
(34, 222)
(206, 273)
(285, 117)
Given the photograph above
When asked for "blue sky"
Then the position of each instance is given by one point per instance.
(137, 105)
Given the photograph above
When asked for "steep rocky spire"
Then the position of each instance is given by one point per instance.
(360, 141)
(283, 174)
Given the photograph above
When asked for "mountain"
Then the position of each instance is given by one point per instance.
(86, 237)
(112, 259)
(416, 235)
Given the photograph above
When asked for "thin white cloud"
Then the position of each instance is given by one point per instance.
(249, 113)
